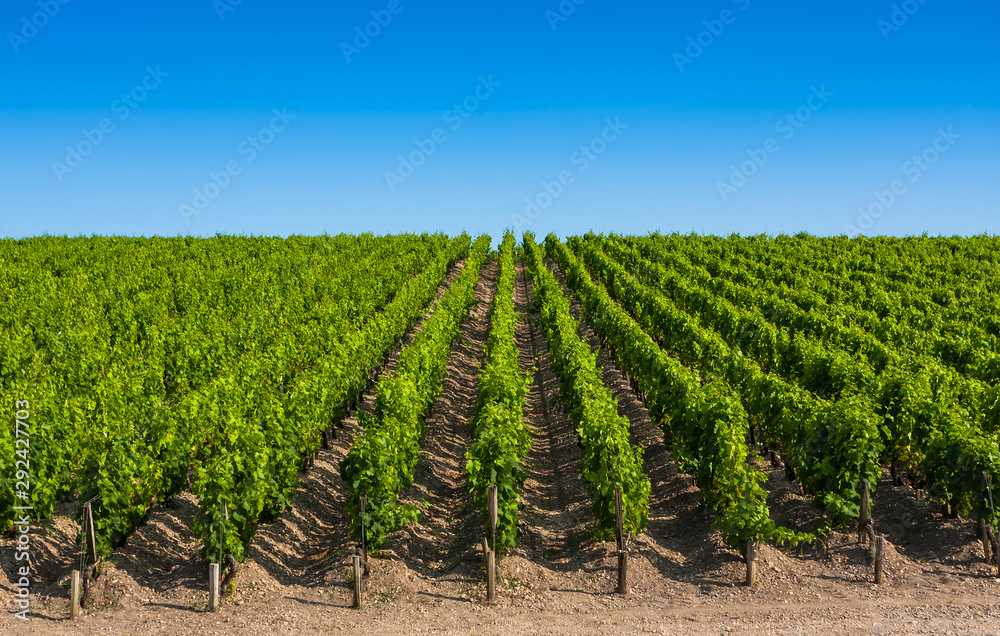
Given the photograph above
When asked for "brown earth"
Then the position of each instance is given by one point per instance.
(558, 580)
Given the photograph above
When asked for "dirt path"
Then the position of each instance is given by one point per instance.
(442, 544)
(555, 516)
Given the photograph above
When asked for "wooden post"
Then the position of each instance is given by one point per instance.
(870, 533)
(491, 576)
(981, 526)
(751, 562)
(491, 508)
(987, 552)
(357, 581)
(74, 595)
(88, 524)
(920, 494)
(622, 543)
(213, 587)
(863, 517)
(879, 555)
(490, 544)
(364, 538)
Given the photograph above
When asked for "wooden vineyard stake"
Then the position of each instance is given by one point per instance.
(981, 529)
(879, 555)
(357, 581)
(364, 541)
(74, 595)
(486, 551)
(491, 554)
(751, 562)
(863, 517)
(622, 543)
(213, 587)
(88, 524)
(987, 548)
(491, 576)
(491, 507)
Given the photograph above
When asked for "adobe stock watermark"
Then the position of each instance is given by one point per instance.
(222, 7)
(900, 15)
(562, 12)
(249, 149)
(581, 160)
(714, 28)
(914, 168)
(363, 36)
(22, 524)
(788, 126)
(94, 137)
(31, 26)
(454, 117)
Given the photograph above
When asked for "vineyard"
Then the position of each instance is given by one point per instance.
(733, 420)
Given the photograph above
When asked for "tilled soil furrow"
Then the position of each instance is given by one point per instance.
(449, 530)
(555, 513)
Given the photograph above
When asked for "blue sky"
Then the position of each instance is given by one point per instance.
(546, 116)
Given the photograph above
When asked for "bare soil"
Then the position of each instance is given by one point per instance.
(558, 580)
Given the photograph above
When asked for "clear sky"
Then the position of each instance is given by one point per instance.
(263, 117)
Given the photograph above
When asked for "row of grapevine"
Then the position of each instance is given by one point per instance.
(609, 460)
(942, 425)
(705, 423)
(247, 461)
(124, 411)
(911, 406)
(832, 445)
(381, 461)
(500, 436)
(944, 289)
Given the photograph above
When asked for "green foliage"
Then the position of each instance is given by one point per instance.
(144, 358)
(381, 462)
(706, 424)
(500, 437)
(147, 361)
(609, 460)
